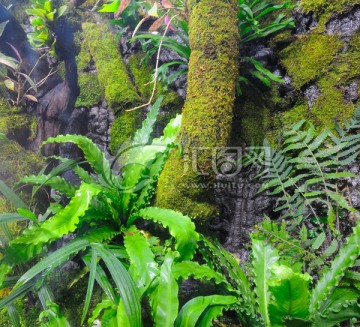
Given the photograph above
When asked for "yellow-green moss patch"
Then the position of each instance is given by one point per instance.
(309, 57)
(119, 91)
(91, 92)
(208, 111)
(15, 122)
(328, 6)
(124, 128)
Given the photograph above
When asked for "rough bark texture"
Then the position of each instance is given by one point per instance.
(207, 114)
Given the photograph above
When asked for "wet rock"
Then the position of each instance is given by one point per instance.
(263, 54)
(346, 24)
(351, 92)
(311, 94)
(101, 119)
(304, 22)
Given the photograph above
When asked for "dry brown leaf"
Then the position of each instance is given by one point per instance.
(155, 25)
(122, 7)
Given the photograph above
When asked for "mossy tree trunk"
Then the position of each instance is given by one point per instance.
(208, 111)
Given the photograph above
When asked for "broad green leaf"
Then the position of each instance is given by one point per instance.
(15, 294)
(14, 316)
(53, 317)
(94, 156)
(143, 267)
(185, 269)
(90, 287)
(165, 304)
(192, 310)
(61, 11)
(121, 316)
(319, 241)
(345, 259)
(264, 256)
(61, 255)
(31, 242)
(289, 294)
(342, 312)
(55, 182)
(106, 303)
(11, 217)
(124, 284)
(180, 227)
(112, 7)
(11, 196)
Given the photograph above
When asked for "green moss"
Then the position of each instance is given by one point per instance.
(91, 92)
(142, 74)
(309, 57)
(208, 111)
(14, 121)
(83, 58)
(181, 189)
(330, 105)
(348, 63)
(328, 6)
(29, 314)
(124, 128)
(15, 162)
(119, 91)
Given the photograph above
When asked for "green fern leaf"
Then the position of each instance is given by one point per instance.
(185, 269)
(143, 267)
(180, 227)
(142, 135)
(94, 156)
(58, 257)
(264, 256)
(331, 279)
(342, 312)
(289, 294)
(31, 242)
(196, 311)
(165, 302)
(124, 283)
(55, 182)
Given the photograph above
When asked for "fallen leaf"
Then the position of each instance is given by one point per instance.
(155, 25)
(123, 5)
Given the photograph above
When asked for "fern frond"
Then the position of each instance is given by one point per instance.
(185, 269)
(224, 263)
(143, 267)
(33, 239)
(55, 182)
(180, 227)
(264, 256)
(94, 156)
(346, 258)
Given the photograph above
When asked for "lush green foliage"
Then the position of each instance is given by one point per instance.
(17, 82)
(43, 19)
(283, 295)
(252, 14)
(101, 207)
(305, 173)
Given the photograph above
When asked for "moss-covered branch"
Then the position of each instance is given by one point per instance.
(208, 111)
